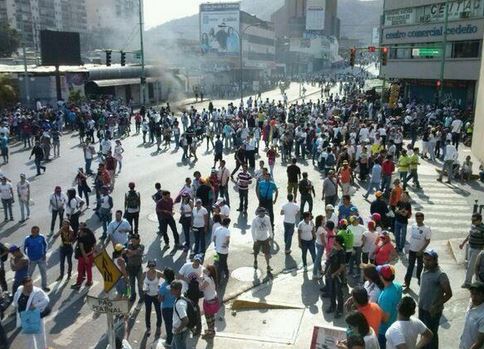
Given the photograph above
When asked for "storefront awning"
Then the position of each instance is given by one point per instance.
(120, 82)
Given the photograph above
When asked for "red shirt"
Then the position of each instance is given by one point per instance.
(388, 167)
(164, 205)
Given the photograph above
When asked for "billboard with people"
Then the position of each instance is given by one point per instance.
(219, 28)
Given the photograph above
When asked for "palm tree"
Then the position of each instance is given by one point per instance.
(8, 91)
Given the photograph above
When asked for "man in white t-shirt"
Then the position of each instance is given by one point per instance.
(456, 127)
(357, 230)
(6, 194)
(221, 239)
(405, 332)
(290, 211)
(419, 239)
(191, 271)
(305, 232)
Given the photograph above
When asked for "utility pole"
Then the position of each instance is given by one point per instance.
(26, 72)
(143, 78)
(444, 49)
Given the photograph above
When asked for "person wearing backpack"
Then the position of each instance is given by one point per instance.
(132, 206)
(183, 316)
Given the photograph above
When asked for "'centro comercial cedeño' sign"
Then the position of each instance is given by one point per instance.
(436, 31)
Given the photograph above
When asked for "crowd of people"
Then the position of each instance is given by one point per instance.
(348, 137)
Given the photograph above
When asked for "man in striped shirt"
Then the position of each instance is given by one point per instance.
(243, 180)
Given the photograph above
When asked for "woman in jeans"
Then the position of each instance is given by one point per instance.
(403, 212)
(306, 235)
(320, 244)
(151, 284)
(186, 208)
(167, 301)
(68, 237)
(200, 226)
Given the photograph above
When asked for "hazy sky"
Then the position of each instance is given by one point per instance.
(161, 11)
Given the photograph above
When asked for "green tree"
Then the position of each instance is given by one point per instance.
(8, 91)
(9, 40)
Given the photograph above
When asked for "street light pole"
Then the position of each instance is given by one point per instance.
(142, 53)
(444, 49)
(241, 82)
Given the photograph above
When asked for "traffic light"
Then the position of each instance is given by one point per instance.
(438, 84)
(371, 48)
(352, 57)
(123, 58)
(384, 55)
(108, 58)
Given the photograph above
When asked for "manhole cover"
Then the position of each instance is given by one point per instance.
(246, 274)
(153, 217)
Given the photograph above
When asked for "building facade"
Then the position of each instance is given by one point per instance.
(414, 31)
(307, 33)
(478, 133)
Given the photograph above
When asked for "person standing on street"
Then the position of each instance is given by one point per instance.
(221, 240)
(35, 246)
(403, 211)
(74, 207)
(6, 194)
(244, 179)
(404, 332)
(134, 261)
(306, 235)
(420, 235)
(476, 245)
(375, 180)
(150, 286)
(118, 230)
(132, 206)
(413, 162)
(290, 210)
(68, 237)
(330, 189)
(30, 297)
(23, 192)
(473, 333)
(388, 300)
(306, 189)
(261, 229)
(180, 317)
(164, 211)
(265, 190)
(223, 176)
(434, 292)
(57, 203)
(449, 159)
(89, 152)
(84, 253)
(293, 177)
(20, 265)
(199, 226)
(334, 271)
(38, 154)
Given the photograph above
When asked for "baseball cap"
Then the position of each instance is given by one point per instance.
(198, 201)
(198, 257)
(477, 285)
(151, 263)
(13, 248)
(353, 219)
(353, 209)
(378, 194)
(371, 224)
(329, 207)
(23, 175)
(343, 222)
(118, 247)
(386, 270)
(431, 252)
(376, 217)
(345, 162)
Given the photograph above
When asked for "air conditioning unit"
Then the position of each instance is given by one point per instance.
(465, 14)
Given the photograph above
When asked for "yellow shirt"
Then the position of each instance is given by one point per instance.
(403, 163)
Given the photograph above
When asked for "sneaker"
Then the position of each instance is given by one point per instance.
(166, 344)
(88, 284)
(76, 287)
(46, 289)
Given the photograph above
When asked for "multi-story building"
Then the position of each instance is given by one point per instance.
(307, 33)
(413, 30)
(91, 18)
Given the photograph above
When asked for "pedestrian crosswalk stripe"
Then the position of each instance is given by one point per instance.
(432, 201)
(444, 208)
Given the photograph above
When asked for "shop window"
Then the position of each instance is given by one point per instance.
(466, 49)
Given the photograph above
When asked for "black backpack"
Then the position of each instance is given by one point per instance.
(193, 313)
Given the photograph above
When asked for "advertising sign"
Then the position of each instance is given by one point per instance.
(460, 9)
(326, 337)
(401, 16)
(315, 14)
(219, 28)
